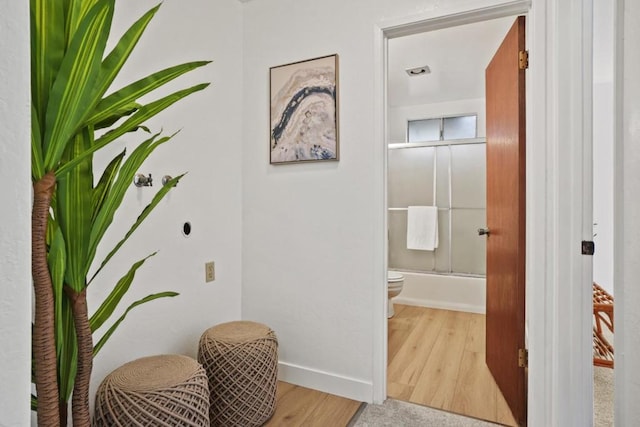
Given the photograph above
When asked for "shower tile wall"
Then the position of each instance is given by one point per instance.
(454, 177)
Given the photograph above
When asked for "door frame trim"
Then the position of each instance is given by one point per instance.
(558, 217)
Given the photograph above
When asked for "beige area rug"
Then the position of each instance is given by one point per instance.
(602, 397)
(394, 413)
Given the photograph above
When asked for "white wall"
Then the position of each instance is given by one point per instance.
(313, 233)
(603, 188)
(15, 208)
(627, 224)
(209, 196)
(397, 117)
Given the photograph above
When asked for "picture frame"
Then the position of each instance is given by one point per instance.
(303, 122)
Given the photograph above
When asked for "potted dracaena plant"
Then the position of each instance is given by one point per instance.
(72, 118)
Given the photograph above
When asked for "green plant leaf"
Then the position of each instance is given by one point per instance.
(143, 114)
(125, 111)
(145, 213)
(75, 210)
(75, 11)
(64, 328)
(67, 348)
(34, 403)
(111, 302)
(47, 50)
(131, 93)
(104, 185)
(122, 183)
(51, 228)
(114, 61)
(73, 94)
(112, 329)
(57, 260)
(37, 161)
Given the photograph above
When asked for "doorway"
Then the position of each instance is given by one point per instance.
(558, 275)
(436, 357)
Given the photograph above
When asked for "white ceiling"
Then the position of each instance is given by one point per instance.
(457, 57)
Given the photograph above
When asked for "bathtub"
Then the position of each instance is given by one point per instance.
(459, 293)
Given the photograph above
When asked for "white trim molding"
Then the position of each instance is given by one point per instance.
(627, 212)
(327, 382)
(380, 295)
(559, 294)
(455, 17)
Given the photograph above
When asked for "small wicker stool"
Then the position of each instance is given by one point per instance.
(165, 390)
(241, 360)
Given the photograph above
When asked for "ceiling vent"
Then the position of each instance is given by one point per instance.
(418, 71)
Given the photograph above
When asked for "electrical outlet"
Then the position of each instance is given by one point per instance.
(209, 271)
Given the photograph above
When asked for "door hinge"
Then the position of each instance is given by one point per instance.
(523, 358)
(523, 59)
(588, 247)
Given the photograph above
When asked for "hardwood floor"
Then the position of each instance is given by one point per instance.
(436, 359)
(299, 406)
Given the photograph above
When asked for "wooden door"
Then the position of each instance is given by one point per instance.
(505, 99)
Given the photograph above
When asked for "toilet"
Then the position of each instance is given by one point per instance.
(395, 281)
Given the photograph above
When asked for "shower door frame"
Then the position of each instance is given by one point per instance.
(435, 144)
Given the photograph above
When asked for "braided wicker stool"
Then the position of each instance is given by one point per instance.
(241, 360)
(166, 390)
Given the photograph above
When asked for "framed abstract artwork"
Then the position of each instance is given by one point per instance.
(304, 111)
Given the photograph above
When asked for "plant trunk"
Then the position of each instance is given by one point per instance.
(44, 341)
(80, 401)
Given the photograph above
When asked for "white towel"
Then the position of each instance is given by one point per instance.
(422, 228)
